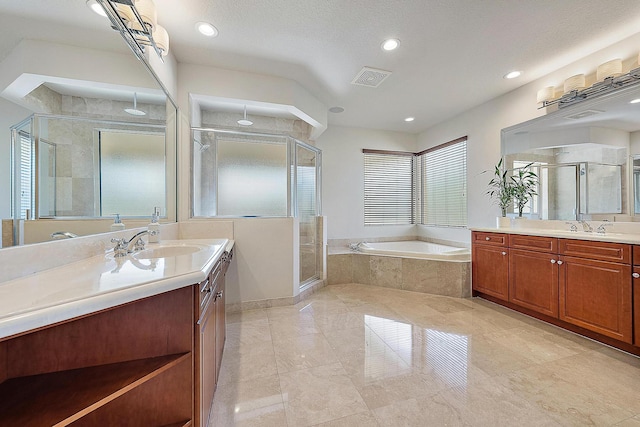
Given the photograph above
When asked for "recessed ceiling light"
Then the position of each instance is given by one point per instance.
(206, 29)
(93, 5)
(634, 101)
(390, 44)
(409, 119)
(336, 110)
(513, 74)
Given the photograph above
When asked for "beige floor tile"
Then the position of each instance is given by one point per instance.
(487, 403)
(363, 419)
(248, 332)
(430, 411)
(318, 395)
(247, 316)
(257, 402)
(303, 352)
(361, 355)
(245, 362)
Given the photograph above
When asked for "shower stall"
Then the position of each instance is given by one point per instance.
(239, 174)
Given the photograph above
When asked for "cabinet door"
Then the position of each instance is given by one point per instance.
(533, 281)
(221, 323)
(207, 361)
(596, 295)
(490, 270)
(636, 303)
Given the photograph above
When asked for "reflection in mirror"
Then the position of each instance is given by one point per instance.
(584, 156)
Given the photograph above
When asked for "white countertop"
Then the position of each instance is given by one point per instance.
(98, 283)
(630, 238)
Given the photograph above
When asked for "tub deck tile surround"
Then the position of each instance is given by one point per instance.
(417, 275)
(395, 358)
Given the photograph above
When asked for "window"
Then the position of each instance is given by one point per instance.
(388, 188)
(444, 184)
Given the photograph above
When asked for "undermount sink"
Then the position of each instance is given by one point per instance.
(168, 251)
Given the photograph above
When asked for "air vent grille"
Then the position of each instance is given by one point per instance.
(583, 114)
(370, 77)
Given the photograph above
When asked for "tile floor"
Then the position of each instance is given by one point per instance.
(355, 355)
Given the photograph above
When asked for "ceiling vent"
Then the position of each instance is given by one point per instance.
(370, 77)
(583, 114)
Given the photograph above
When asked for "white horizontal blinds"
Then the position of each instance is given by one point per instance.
(444, 184)
(388, 184)
(26, 193)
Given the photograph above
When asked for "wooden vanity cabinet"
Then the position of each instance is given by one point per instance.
(596, 293)
(533, 273)
(636, 294)
(489, 256)
(130, 365)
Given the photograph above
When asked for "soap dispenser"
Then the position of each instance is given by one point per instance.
(117, 224)
(154, 226)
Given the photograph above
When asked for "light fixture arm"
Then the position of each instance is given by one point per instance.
(136, 39)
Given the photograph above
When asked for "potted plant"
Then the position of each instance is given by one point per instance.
(501, 188)
(524, 184)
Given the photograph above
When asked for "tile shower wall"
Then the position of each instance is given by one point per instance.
(418, 275)
(298, 129)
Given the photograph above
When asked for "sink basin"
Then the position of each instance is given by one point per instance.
(168, 251)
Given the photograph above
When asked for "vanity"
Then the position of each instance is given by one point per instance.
(588, 283)
(132, 340)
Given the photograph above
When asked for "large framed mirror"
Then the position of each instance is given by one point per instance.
(586, 156)
(72, 98)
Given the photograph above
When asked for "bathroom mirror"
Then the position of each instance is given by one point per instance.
(65, 83)
(584, 157)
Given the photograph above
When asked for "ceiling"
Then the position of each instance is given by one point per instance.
(452, 55)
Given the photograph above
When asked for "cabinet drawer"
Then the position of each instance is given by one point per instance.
(533, 243)
(494, 239)
(604, 251)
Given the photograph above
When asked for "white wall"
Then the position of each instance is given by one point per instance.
(343, 179)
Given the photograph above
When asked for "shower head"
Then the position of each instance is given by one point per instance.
(134, 111)
(244, 121)
(203, 147)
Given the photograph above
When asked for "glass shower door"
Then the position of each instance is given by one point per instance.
(307, 165)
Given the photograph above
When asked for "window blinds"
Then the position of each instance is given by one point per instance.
(388, 188)
(26, 193)
(444, 185)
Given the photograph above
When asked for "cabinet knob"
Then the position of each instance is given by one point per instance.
(553, 261)
(504, 253)
(559, 262)
(635, 275)
(487, 238)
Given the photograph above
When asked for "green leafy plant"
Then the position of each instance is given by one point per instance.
(524, 184)
(501, 188)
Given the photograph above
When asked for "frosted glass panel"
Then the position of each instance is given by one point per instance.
(47, 177)
(252, 178)
(558, 188)
(134, 162)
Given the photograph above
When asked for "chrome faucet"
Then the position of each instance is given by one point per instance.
(573, 228)
(134, 244)
(586, 227)
(601, 227)
(63, 234)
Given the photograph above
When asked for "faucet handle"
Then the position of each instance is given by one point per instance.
(139, 245)
(601, 227)
(573, 228)
(120, 249)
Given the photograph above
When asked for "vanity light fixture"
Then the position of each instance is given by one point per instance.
(512, 74)
(206, 29)
(137, 21)
(575, 90)
(93, 5)
(244, 121)
(390, 44)
(409, 119)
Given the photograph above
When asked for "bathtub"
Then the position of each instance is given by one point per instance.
(416, 249)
